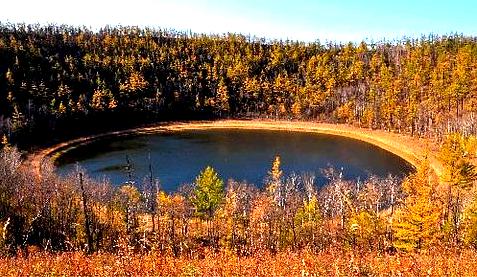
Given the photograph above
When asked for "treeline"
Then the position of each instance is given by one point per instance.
(53, 75)
(290, 214)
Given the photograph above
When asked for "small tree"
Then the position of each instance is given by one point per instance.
(222, 102)
(208, 193)
(275, 181)
(458, 155)
(418, 220)
(129, 199)
(4, 142)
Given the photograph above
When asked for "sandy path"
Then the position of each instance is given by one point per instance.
(413, 150)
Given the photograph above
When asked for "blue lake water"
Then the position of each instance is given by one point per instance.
(178, 157)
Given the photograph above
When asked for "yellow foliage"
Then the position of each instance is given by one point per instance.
(458, 155)
(418, 220)
(365, 227)
(102, 100)
(275, 175)
(309, 215)
(345, 112)
(5, 142)
(296, 108)
(135, 83)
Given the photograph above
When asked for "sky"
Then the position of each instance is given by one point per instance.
(304, 20)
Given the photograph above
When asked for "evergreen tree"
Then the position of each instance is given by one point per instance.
(208, 193)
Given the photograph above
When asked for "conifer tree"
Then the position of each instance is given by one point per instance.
(418, 220)
(457, 154)
(275, 181)
(208, 193)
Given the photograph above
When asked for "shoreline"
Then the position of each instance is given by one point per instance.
(411, 149)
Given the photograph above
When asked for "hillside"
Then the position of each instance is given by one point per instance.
(53, 75)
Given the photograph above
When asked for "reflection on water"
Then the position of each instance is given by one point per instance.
(97, 149)
(178, 157)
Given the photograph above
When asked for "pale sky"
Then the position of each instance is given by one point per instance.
(304, 20)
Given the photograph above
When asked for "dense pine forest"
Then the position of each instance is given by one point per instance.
(54, 76)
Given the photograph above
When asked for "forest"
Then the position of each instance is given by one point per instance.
(54, 76)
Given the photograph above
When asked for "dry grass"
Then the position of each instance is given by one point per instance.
(328, 263)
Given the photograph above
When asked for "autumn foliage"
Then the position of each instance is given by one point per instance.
(326, 263)
(53, 76)
(79, 226)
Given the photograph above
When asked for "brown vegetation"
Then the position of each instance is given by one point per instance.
(55, 76)
(326, 263)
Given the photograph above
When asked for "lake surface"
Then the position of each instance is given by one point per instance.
(178, 157)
